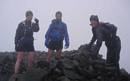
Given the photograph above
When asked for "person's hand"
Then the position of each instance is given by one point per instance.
(46, 43)
(94, 50)
(36, 20)
(89, 46)
(66, 46)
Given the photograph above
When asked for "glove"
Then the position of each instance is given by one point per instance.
(95, 51)
(66, 46)
(36, 20)
(89, 46)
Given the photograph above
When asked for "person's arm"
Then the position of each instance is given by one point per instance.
(99, 36)
(48, 32)
(18, 33)
(92, 40)
(47, 35)
(66, 37)
(35, 27)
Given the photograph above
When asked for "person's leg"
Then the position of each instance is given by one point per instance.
(117, 51)
(118, 57)
(49, 55)
(30, 60)
(58, 54)
(20, 56)
(108, 58)
(59, 49)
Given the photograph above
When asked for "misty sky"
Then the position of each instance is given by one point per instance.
(76, 15)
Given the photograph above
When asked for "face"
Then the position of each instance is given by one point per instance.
(94, 23)
(29, 18)
(58, 16)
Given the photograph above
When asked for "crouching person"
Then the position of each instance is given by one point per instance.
(106, 32)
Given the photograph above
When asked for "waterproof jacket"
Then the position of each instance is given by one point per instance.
(25, 31)
(57, 32)
(100, 34)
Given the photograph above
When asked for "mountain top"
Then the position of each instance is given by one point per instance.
(75, 65)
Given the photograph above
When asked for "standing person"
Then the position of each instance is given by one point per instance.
(55, 35)
(24, 41)
(106, 32)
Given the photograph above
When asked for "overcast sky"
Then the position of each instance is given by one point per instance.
(76, 15)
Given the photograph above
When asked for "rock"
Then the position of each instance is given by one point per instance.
(42, 64)
(124, 76)
(68, 64)
(63, 78)
(75, 65)
(94, 80)
(34, 75)
(72, 75)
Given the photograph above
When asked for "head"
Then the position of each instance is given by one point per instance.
(29, 15)
(94, 21)
(58, 15)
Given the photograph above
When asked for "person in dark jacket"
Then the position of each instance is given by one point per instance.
(24, 41)
(55, 35)
(106, 32)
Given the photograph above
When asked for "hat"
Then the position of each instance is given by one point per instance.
(94, 17)
(28, 13)
(58, 12)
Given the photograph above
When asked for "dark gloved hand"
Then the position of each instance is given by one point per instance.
(36, 20)
(89, 46)
(94, 51)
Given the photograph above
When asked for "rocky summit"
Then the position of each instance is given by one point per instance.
(75, 65)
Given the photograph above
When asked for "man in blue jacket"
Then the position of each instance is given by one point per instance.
(55, 35)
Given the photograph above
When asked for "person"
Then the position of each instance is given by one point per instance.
(55, 35)
(24, 41)
(106, 32)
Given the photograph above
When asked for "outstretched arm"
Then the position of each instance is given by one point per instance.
(99, 40)
(92, 40)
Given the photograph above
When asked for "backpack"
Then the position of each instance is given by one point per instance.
(112, 28)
